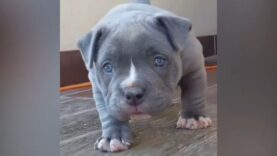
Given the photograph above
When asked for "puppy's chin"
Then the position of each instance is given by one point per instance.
(130, 113)
(141, 116)
(125, 112)
(137, 113)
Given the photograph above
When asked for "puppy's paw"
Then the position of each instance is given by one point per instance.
(111, 145)
(192, 123)
(117, 146)
(114, 139)
(102, 144)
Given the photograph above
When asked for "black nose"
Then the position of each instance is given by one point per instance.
(134, 95)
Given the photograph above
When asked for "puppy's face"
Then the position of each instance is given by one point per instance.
(136, 67)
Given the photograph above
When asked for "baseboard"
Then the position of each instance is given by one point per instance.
(72, 68)
(76, 86)
(73, 71)
(209, 44)
(211, 68)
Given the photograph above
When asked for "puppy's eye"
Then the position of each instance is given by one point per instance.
(108, 68)
(159, 61)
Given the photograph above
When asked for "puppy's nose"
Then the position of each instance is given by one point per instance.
(134, 95)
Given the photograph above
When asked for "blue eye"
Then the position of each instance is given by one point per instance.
(159, 61)
(108, 68)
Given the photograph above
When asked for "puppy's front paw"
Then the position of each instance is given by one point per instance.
(192, 123)
(111, 145)
(114, 139)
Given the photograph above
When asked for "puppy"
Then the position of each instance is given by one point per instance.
(137, 55)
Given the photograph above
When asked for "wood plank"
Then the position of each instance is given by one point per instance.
(154, 137)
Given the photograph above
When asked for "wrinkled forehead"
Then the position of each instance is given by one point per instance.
(133, 42)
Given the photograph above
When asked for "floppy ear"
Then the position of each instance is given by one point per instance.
(88, 46)
(175, 28)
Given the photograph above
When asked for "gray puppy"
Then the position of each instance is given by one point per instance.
(137, 55)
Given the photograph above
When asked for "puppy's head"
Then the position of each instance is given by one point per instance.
(136, 62)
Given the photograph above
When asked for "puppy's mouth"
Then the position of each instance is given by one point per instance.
(137, 114)
(136, 110)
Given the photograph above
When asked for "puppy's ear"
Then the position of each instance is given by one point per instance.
(175, 28)
(89, 45)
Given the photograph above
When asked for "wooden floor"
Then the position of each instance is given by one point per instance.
(80, 127)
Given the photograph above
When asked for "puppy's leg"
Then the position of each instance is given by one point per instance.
(116, 135)
(193, 101)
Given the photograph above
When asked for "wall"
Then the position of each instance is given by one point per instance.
(78, 17)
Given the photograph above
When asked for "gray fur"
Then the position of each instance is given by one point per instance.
(136, 31)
